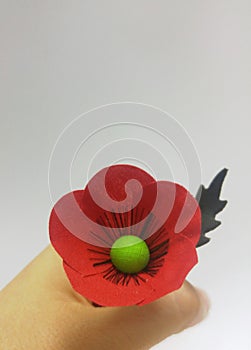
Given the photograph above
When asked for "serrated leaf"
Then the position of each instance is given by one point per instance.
(210, 205)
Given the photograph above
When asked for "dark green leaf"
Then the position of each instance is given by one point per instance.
(210, 205)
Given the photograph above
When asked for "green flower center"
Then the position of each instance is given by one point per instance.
(130, 254)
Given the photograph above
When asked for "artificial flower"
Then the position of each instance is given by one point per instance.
(126, 239)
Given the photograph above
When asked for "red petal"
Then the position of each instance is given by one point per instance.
(175, 209)
(71, 232)
(185, 218)
(66, 223)
(77, 237)
(106, 293)
(118, 188)
(180, 259)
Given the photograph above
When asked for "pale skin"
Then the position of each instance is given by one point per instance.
(40, 310)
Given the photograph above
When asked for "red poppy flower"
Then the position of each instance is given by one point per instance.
(126, 239)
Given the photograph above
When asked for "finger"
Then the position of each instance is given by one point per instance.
(141, 327)
(40, 301)
(44, 276)
(43, 281)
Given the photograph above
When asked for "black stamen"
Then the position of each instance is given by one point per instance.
(121, 220)
(100, 238)
(158, 243)
(159, 246)
(104, 252)
(156, 236)
(114, 230)
(147, 222)
(102, 262)
(115, 220)
(101, 222)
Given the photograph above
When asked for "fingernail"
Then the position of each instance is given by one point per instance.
(204, 308)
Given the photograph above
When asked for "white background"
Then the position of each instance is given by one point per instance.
(190, 58)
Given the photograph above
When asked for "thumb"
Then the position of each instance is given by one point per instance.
(141, 327)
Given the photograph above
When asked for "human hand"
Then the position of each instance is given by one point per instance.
(40, 310)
